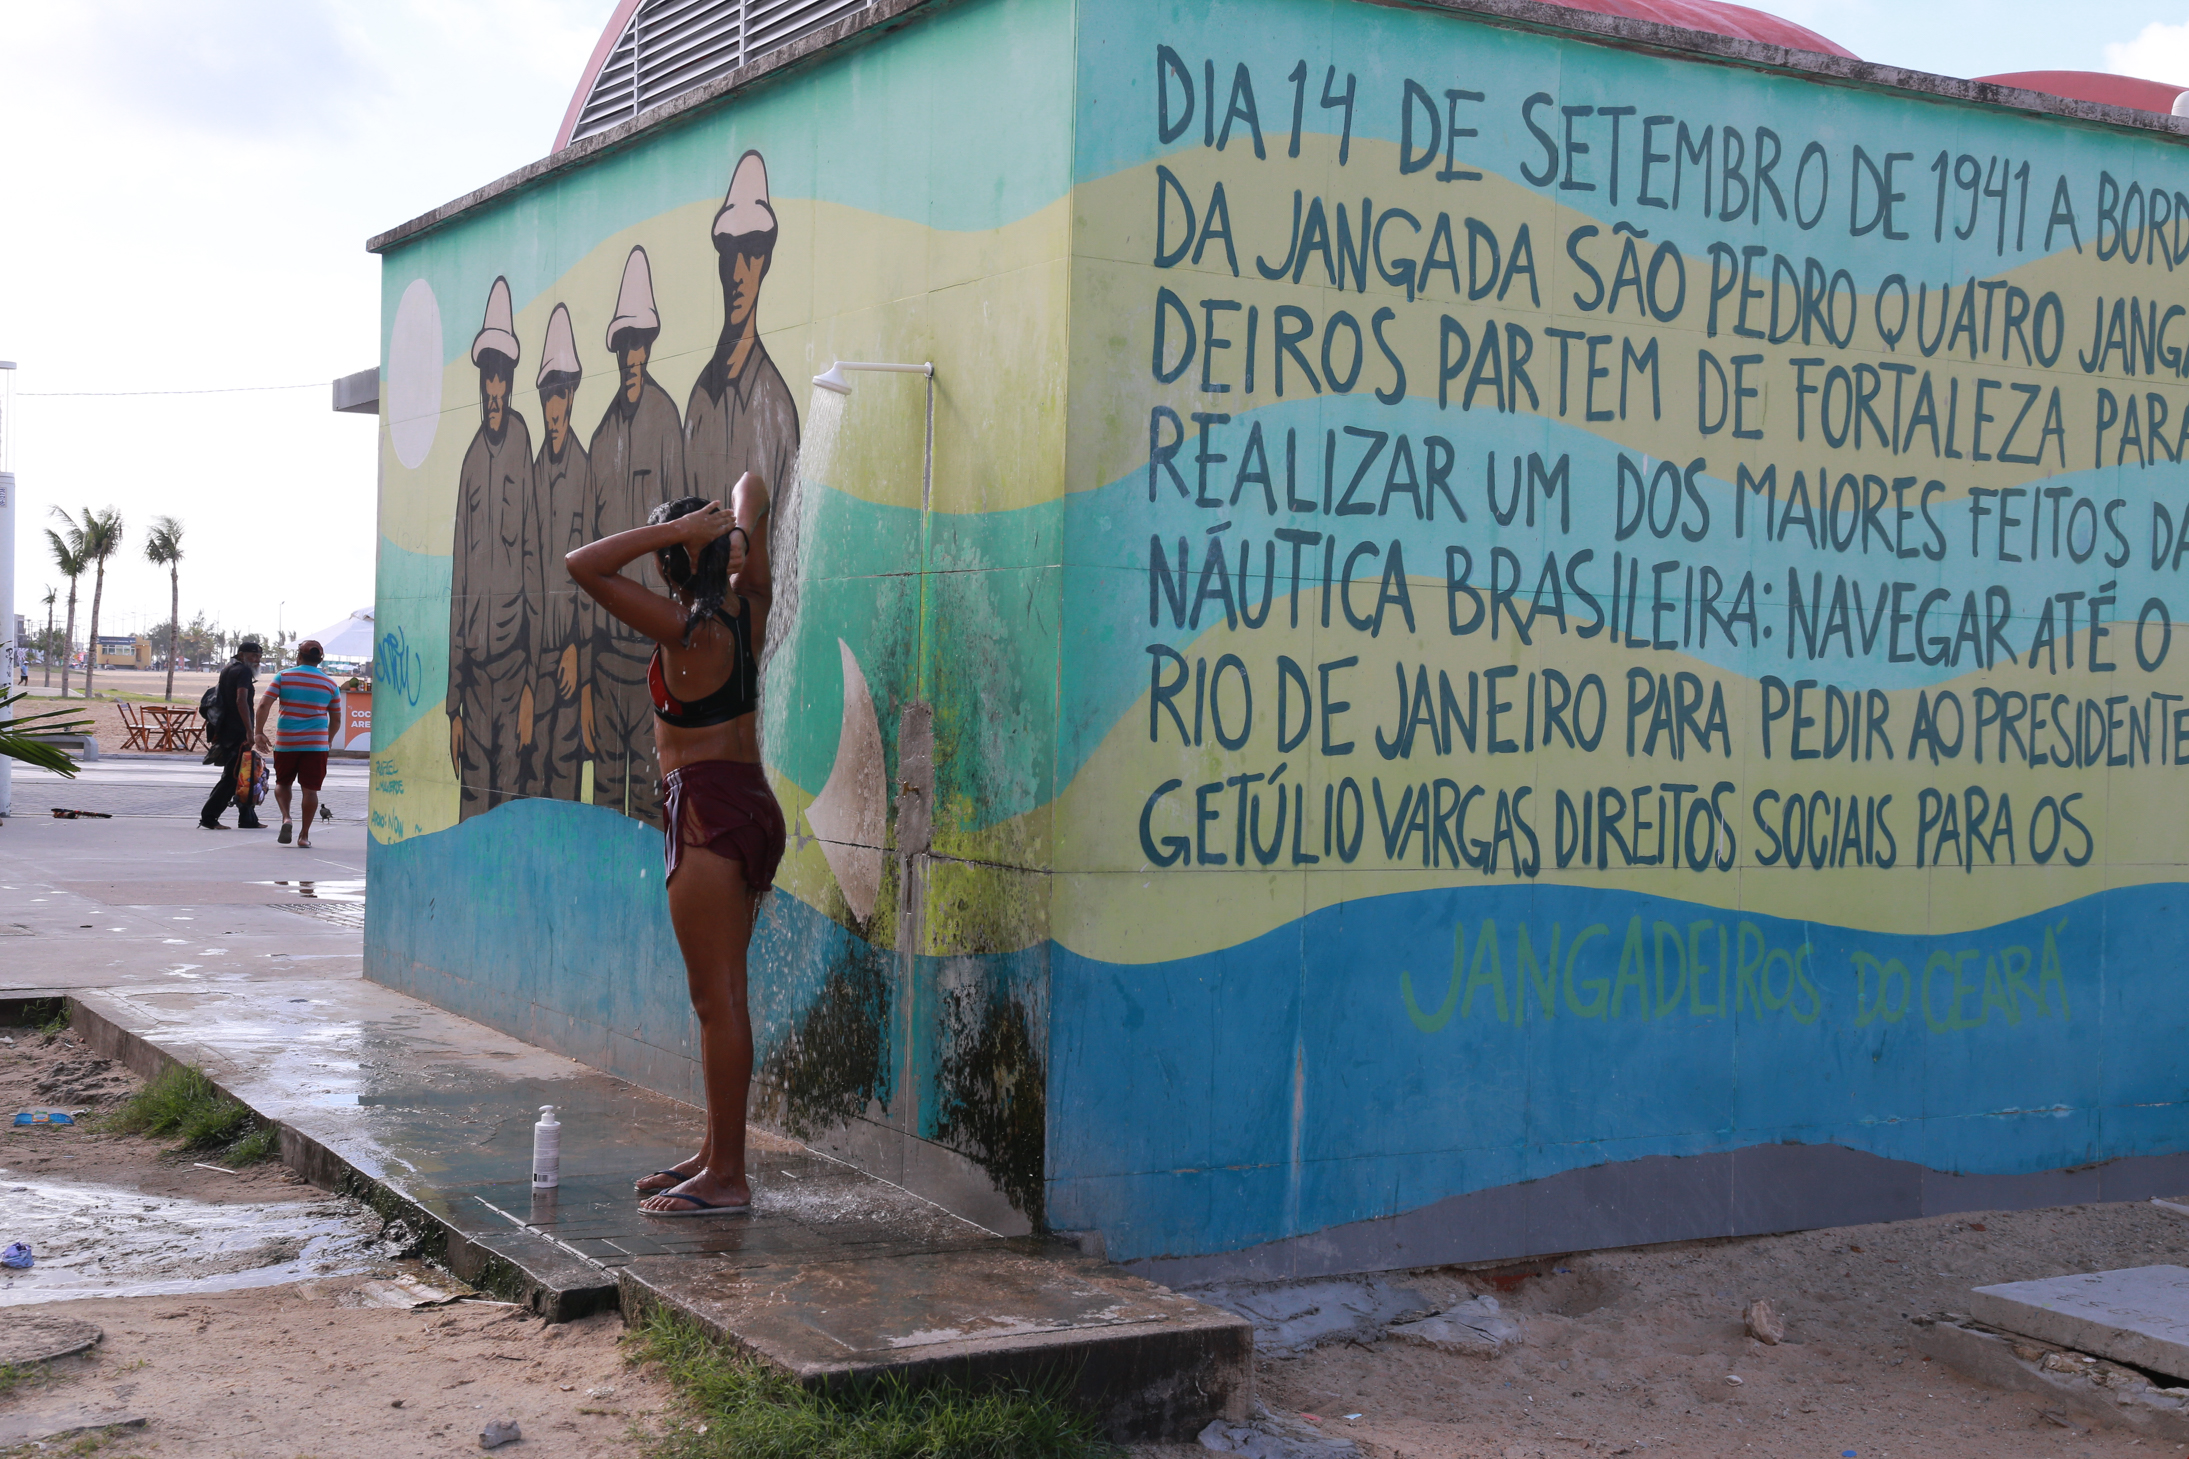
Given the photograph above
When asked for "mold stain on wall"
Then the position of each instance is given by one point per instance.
(992, 1083)
(835, 1063)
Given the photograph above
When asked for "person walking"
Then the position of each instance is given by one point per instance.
(228, 733)
(722, 826)
(311, 716)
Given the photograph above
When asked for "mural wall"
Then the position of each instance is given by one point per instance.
(645, 328)
(1517, 644)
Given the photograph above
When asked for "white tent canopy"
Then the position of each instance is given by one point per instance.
(351, 640)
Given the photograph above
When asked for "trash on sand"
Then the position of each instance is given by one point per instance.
(501, 1431)
(18, 1256)
(1764, 1323)
(43, 1117)
(66, 815)
(201, 1165)
(1474, 1327)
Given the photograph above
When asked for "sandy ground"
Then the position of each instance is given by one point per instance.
(1632, 1352)
(306, 1368)
(1624, 1352)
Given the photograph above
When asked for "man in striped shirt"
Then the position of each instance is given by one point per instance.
(311, 716)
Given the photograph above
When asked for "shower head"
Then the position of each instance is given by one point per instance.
(833, 378)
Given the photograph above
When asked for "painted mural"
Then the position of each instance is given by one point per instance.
(1492, 607)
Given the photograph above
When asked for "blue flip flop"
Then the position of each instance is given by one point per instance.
(677, 1177)
(698, 1208)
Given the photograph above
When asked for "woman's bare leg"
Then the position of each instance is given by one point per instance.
(712, 910)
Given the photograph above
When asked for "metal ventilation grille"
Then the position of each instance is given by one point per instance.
(673, 46)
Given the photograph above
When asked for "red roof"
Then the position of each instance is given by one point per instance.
(1718, 18)
(2125, 91)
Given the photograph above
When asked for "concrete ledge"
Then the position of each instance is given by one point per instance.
(2139, 1315)
(1993, 1358)
(1149, 1363)
(1754, 1191)
(516, 1265)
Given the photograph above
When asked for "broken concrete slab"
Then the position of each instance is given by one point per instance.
(60, 1423)
(1475, 1328)
(1267, 1435)
(1147, 1362)
(2097, 1393)
(1294, 1317)
(2137, 1315)
(38, 1338)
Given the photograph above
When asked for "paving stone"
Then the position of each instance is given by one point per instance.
(2137, 1315)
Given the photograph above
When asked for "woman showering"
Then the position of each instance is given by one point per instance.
(721, 824)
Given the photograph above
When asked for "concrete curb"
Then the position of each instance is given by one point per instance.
(518, 1265)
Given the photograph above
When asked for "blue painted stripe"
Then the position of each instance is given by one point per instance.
(1471, 1085)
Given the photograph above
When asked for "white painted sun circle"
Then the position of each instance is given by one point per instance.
(414, 374)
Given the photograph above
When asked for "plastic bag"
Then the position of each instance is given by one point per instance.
(18, 1256)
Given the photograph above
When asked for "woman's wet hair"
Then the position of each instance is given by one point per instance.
(708, 582)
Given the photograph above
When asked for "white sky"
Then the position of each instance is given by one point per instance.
(187, 190)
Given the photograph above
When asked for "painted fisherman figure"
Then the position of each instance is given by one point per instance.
(636, 464)
(741, 416)
(489, 676)
(562, 656)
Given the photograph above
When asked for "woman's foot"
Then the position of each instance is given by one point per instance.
(304, 842)
(662, 1180)
(703, 1192)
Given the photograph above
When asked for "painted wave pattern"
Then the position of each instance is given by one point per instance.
(1377, 1056)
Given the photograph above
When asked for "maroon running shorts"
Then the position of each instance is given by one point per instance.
(305, 767)
(725, 806)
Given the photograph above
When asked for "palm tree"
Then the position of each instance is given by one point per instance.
(97, 536)
(27, 745)
(163, 548)
(72, 564)
(51, 594)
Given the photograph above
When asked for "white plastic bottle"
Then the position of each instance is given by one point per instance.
(546, 1150)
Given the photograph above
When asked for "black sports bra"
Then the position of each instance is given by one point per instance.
(737, 695)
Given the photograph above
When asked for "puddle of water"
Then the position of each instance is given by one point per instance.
(325, 891)
(102, 1241)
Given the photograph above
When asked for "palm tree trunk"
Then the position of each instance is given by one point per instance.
(91, 659)
(68, 649)
(174, 622)
(49, 644)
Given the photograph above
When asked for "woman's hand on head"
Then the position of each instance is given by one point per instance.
(697, 529)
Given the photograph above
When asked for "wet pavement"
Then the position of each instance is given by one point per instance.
(171, 786)
(227, 951)
(90, 903)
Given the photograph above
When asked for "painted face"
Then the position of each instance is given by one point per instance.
(494, 393)
(556, 407)
(632, 362)
(746, 271)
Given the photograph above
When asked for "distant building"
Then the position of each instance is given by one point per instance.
(123, 651)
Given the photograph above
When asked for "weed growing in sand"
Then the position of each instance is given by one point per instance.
(263, 1143)
(184, 1104)
(14, 1376)
(736, 1406)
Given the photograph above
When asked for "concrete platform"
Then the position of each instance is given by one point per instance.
(2138, 1315)
(180, 945)
(834, 1276)
(1151, 1363)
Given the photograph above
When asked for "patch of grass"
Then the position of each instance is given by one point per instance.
(19, 1375)
(182, 1103)
(263, 1143)
(49, 1015)
(735, 1405)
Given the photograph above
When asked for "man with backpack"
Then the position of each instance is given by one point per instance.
(228, 723)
